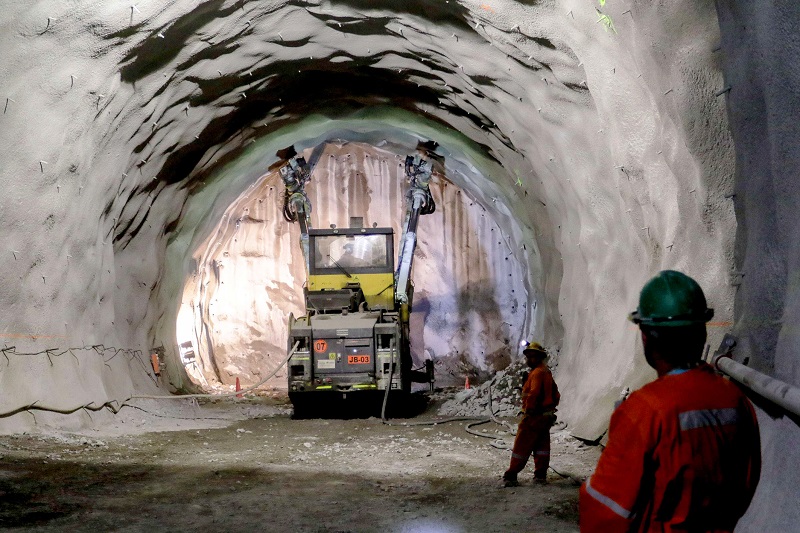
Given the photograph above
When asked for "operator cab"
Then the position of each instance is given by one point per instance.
(351, 267)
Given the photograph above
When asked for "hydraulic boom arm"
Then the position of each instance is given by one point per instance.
(297, 208)
(418, 202)
(296, 205)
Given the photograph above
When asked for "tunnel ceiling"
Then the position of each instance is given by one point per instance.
(592, 133)
(294, 73)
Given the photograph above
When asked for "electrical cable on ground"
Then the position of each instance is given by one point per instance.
(497, 443)
(475, 421)
(409, 424)
(176, 417)
(226, 395)
(501, 444)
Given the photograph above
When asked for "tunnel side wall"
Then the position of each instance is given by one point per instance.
(760, 46)
(130, 130)
(668, 155)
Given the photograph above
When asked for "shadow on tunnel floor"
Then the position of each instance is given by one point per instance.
(38, 495)
(362, 405)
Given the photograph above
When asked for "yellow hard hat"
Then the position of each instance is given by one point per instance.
(534, 347)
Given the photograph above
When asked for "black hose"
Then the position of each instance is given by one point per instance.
(389, 384)
(430, 204)
(475, 421)
(229, 394)
(288, 214)
(108, 405)
(468, 428)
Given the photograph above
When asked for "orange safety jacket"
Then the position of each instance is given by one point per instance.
(540, 392)
(683, 454)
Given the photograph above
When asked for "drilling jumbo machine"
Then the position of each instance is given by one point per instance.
(353, 341)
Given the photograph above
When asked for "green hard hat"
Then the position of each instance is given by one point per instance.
(671, 299)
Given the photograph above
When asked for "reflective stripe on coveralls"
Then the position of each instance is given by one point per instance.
(708, 417)
(683, 454)
(540, 397)
(533, 436)
(608, 502)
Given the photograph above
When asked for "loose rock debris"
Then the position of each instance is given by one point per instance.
(500, 396)
(278, 474)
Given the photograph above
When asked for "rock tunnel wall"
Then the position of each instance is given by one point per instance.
(762, 74)
(129, 130)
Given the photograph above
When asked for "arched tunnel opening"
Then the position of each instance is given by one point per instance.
(586, 147)
(470, 296)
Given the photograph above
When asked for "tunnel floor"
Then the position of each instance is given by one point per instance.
(279, 474)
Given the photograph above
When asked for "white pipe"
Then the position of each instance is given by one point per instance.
(774, 390)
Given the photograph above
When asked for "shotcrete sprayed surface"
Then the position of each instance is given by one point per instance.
(129, 130)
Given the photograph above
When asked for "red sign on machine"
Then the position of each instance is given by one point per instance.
(320, 346)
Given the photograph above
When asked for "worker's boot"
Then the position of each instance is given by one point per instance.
(510, 480)
(540, 480)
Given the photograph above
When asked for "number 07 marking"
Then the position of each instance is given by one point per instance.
(320, 346)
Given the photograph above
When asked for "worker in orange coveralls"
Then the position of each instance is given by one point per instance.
(683, 452)
(539, 400)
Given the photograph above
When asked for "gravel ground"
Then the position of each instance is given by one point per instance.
(271, 473)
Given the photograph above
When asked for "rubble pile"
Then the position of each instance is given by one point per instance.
(504, 389)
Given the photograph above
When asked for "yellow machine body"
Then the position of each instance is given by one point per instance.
(378, 289)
